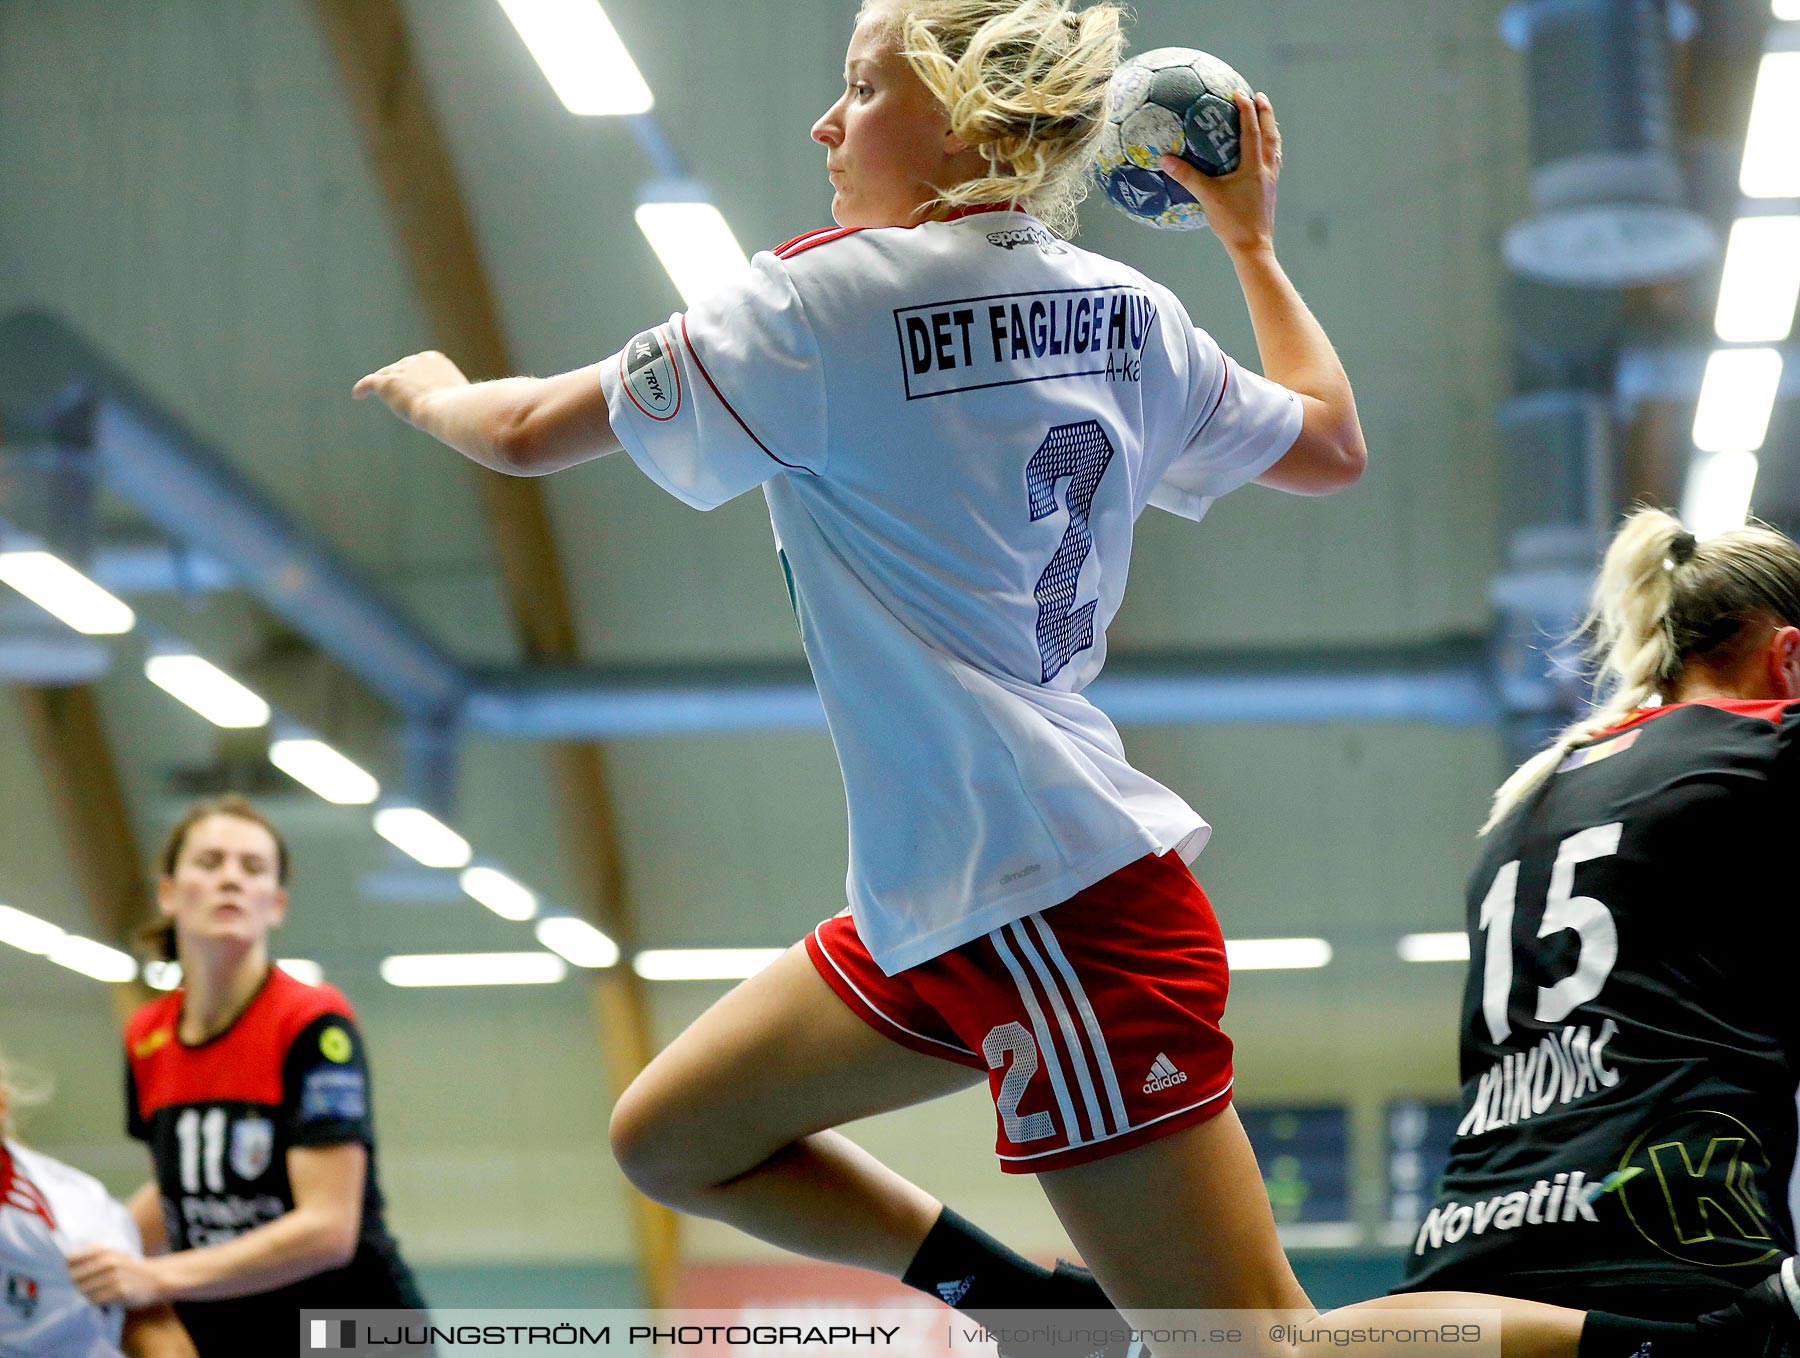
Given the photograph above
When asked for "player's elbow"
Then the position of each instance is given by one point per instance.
(1350, 461)
(516, 446)
(338, 1248)
(334, 1238)
(1319, 466)
(538, 445)
(1339, 454)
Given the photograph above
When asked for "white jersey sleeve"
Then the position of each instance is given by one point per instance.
(49, 1210)
(715, 402)
(1241, 425)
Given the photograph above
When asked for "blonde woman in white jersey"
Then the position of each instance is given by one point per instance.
(956, 417)
(47, 1209)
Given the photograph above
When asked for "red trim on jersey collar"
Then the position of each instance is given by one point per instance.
(1770, 710)
(824, 235)
(18, 1191)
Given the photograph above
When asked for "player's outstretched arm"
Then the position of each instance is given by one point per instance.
(1240, 208)
(522, 426)
(319, 1233)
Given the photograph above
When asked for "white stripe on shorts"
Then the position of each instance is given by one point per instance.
(1045, 1041)
(1102, 1057)
(1096, 1116)
(819, 938)
(1164, 1117)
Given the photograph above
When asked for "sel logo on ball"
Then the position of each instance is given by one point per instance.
(652, 379)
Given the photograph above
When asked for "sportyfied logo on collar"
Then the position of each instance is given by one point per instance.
(652, 378)
(1042, 237)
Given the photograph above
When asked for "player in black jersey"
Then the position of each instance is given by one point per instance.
(252, 1090)
(1629, 1030)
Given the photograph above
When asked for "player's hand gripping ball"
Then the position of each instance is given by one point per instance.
(1170, 101)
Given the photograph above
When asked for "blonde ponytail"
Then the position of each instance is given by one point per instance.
(1661, 598)
(1025, 83)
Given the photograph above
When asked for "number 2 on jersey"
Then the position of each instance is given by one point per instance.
(1592, 922)
(1081, 452)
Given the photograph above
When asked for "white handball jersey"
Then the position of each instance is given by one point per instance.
(48, 1210)
(956, 426)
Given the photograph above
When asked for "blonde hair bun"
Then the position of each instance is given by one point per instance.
(1025, 83)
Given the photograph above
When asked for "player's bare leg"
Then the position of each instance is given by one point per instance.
(731, 1120)
(1184, 1223)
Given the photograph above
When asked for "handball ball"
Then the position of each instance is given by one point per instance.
(1170, 101)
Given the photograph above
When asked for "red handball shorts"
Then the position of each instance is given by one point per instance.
(1097, 1021)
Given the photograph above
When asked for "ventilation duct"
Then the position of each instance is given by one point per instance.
(1610, 204)
(226, 531)
(1556, 494)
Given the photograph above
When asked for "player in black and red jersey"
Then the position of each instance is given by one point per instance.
(1629, 1029)
(252, 1090)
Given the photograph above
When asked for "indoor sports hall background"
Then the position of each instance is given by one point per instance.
(216, 214)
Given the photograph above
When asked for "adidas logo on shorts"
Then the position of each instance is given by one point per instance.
(953, 1292)
(1163, 1075)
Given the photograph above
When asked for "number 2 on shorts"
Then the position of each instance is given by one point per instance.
(1011, 1039)
(1081, 452)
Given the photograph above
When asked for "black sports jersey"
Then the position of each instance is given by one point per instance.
(220, 1118)
(1628, 1054)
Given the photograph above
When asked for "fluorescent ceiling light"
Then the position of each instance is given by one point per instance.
(694, 243)
(58, 588)
(1434, 947)
(1276, 954)
(1717, 496)
(1771, 150)
(1787, 9)
(1737, 396)
(581, 56)
(93, 959)
(207, 689)
(162, 975)
(26, 932)
(474, 968)
(317, 766)
(30, 934)
(1762, 281)
(499, 893)
(423, 836)
(302, 969)
(577, 940)
(702, 964)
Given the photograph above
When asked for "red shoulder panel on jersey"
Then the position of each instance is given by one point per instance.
(243, 1063)
(801, 244)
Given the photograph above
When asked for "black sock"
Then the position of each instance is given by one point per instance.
(1605, 1335)
(963, 1266)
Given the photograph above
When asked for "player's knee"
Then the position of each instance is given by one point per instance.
(647, 1145)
